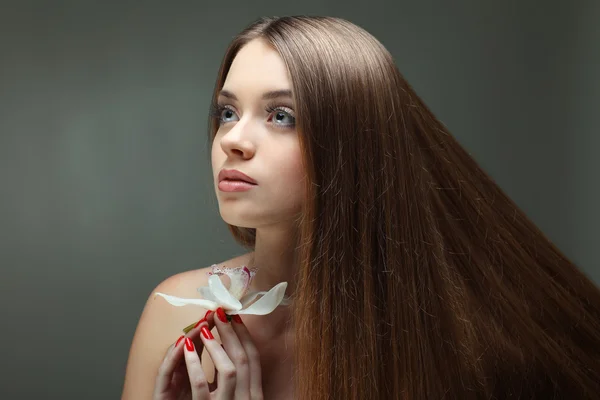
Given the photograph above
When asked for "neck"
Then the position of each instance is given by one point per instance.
(275, 259)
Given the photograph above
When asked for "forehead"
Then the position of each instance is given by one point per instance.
(257, 66)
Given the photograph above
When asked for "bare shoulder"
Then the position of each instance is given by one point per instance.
(161, 324)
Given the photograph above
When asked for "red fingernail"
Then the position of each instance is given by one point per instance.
(207, 314)
(206, 333)
(237, 318)
(221, 315)
(179, 340)
(199, 322)
(189, 344)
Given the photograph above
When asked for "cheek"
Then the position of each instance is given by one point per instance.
(293, 169)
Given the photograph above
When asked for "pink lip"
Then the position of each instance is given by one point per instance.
(235, 175)
(234, 186)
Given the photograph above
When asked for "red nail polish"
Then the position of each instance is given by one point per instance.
(208, 314)
(199, 322)
(221, 315)
(189, 344)
(179, 340)
(237, 318)
(206, 333)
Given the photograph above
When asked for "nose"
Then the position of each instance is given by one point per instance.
(237, 141)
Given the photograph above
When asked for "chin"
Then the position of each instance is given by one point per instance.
(244, 217)
(236, 220)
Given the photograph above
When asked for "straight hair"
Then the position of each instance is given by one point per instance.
(419, 278)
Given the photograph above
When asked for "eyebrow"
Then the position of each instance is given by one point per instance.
(274, 94)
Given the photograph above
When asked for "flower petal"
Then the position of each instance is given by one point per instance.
(286, 301)
(206, 293)
(224, 298)
(239, 277)
(267, 303)
(249, 298)
(240, 280)
(179, 302)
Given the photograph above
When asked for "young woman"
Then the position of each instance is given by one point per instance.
(411, 274)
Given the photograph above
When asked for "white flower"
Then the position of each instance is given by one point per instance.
(234, 300)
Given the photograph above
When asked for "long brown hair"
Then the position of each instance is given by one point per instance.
(419, 278)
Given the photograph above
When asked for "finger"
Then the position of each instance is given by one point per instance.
(167, 377)
(253, 356)
(208, 317)
(180, 376)
(226, 376)
(194, 333)
(213, 385)
(168, 366)
(198, 382)
(236, 353)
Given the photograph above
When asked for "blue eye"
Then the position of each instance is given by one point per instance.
(221, 113)
(282, 116)
(225, 114)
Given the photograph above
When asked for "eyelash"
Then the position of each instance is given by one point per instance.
(216, 111)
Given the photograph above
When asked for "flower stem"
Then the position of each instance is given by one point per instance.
(189, 327)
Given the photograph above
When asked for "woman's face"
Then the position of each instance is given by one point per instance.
(257, 136)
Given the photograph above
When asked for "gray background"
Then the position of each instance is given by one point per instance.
(104, 163)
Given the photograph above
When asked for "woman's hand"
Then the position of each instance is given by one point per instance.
(237, 363)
